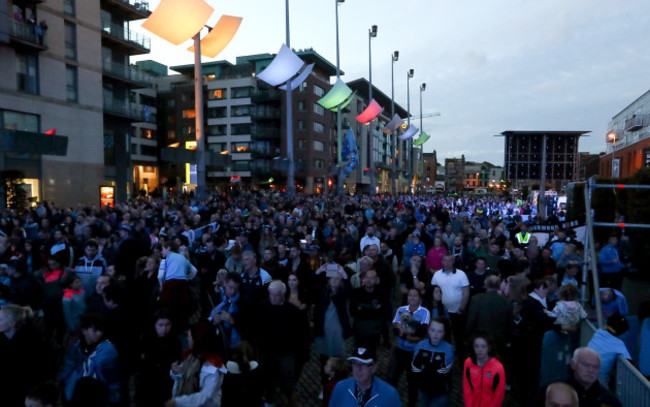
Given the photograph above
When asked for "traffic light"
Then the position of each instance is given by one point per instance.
(329, 182)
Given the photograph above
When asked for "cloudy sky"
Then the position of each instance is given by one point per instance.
(489, 65)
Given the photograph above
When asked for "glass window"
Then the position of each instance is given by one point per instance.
(187, 130)
(27, 73)
(302, 143)
(318, 91)
(217, 94)
(19, 121)
(148, 150)
(242, 92)
(72, 86)
(217, 147)
(239, 111)
(319, 163)
(68, 7)
(241, 147)
(301, 125)
(241, 165)
(221, 130)
(302, 87)
(319, 146)
(239, 129)
(318, 109)
(217, 112)
(301, 105)
(70, 40)
(319, 128)
(171, 135)
(189, 114)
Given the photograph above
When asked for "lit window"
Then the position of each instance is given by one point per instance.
(189, 114)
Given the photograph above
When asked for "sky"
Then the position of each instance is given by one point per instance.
(488, 65)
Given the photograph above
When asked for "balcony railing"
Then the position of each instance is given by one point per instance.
(135, 9)
(130, 110)
(266, 115)
(30, 33)
(266, 133)
(634, 123)
(124, 34)
(32, 143)
(266, 96)
(126, 72)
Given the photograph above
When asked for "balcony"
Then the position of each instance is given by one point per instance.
(26, 142)
(126, 72)
(272, 95)
(264, 115)
(265, 152)
(130, 9)
(134, 111)
(634, 123)
(266, 133)
(135, 42)
(28, 36)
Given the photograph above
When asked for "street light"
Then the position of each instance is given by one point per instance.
(423, 87)
(393, 59)
(372, 33)
(177, 21)
(611, 138)
(339, 140)
(409, 152)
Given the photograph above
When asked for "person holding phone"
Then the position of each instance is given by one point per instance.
(431, 366)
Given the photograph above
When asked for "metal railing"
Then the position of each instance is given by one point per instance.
(29, 32)
(124, 34)
(127, 109)
(632, 388)
(126, 72)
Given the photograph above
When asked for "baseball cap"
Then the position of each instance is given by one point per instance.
(363, 355)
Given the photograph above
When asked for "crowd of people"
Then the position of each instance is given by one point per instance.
(219, 302)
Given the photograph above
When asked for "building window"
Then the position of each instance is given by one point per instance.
(301, 125)
(318, 109)
(243, 92)
(301, 144)
(240, 111)
(318, 91)
(72, 85)
(171, 135)
(319, 146)
(19, 121)
(319, 164)
(148, 134)
(221, 130)
(319, 128)
(188, 130)
(189, 114)
(149, 150)
(301, 105)
(217, 147)
(240, 129)
(70, 40)
(241, 165)
(171, 102)
(68, 7)
(302, 87)
(217, 94)
(217, 112)
(27, 73)
(241, 147)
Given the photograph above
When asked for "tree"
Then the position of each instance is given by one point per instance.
(13, 195)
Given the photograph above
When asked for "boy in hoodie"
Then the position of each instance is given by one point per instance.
(90, 266)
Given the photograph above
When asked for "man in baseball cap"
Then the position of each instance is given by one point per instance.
(363, 388)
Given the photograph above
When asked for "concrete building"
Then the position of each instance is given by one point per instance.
(65, 66)
(429, 173)
(455, 174)
(384, 147)
(526, 160)
(630, 128)
(246, 119)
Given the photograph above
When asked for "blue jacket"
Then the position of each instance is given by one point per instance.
(100, 364)
(382, 394)
(606, 259)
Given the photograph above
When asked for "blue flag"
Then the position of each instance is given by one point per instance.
(349, 149)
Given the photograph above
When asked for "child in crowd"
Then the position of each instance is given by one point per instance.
(568, 311)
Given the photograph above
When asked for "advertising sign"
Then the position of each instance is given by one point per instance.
(107, 196)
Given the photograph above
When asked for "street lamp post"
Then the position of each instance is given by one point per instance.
(291, 187)
(372, 33)
(393, 59)
(611, 136)
(423, 87)
(339, 139)
(409, 152)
